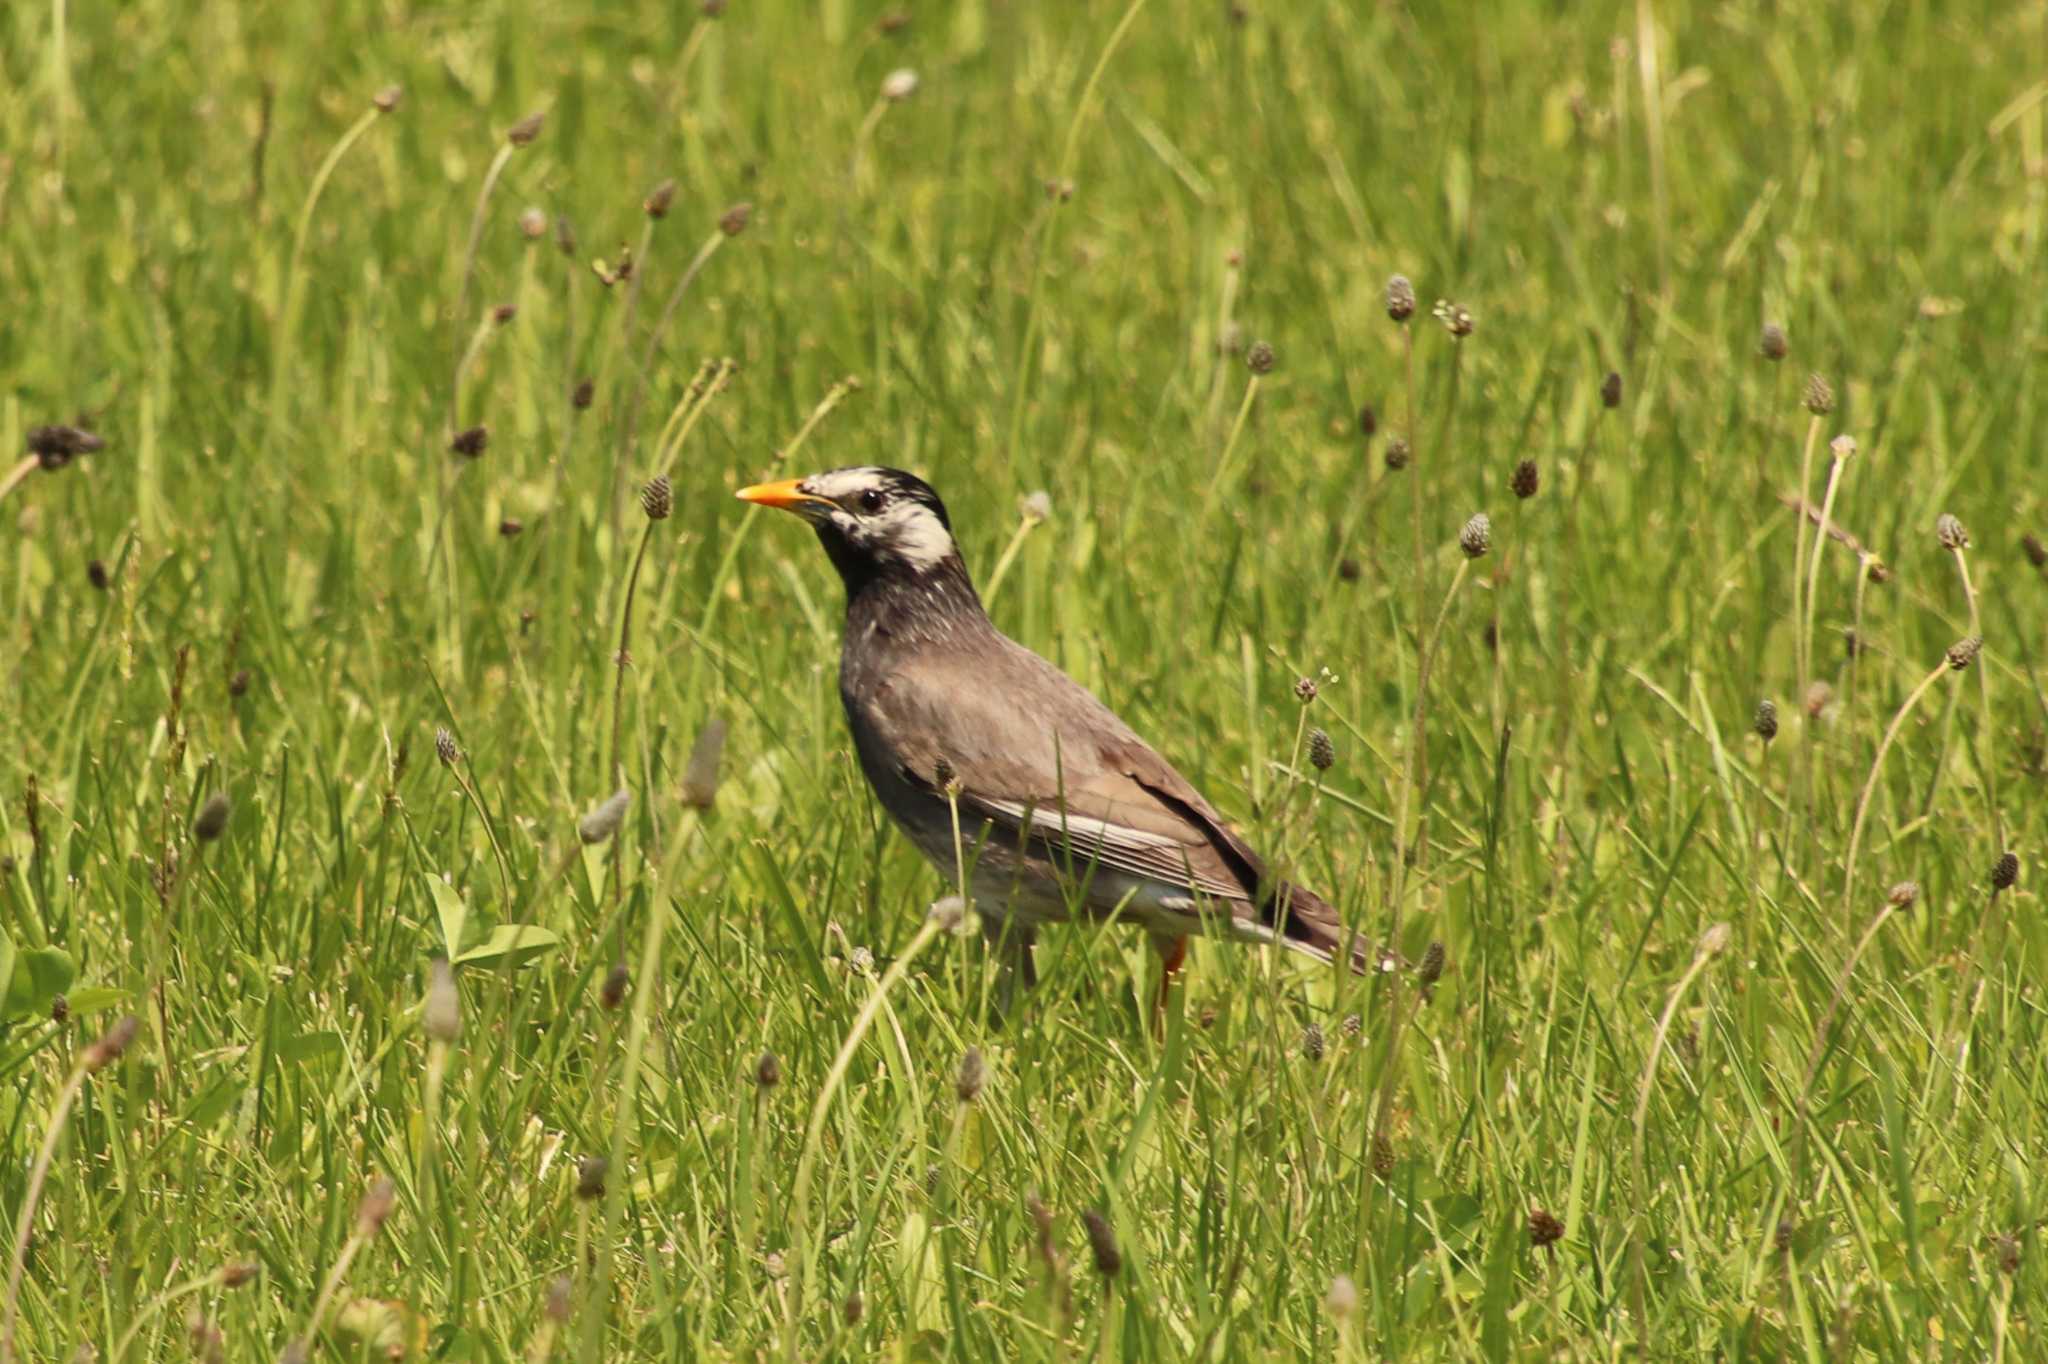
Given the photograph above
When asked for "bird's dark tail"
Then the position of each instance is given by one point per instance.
(1310, 924)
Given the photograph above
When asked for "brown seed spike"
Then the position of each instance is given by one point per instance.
(768, 1071)
(470, 442)
(659, 199)
(734, 220)
(1397, 454)
(1773, 346)
(212, 820)
(1368, 422)
(590, 1175)
(1525, 480)
(1400, 298)
(1963, 652)
(56, 446)
(1950, 532)
(111, 1044)
(1260, 358)
(2036, 552)
(388, 98)
(658, 498)
(583, 394)
(1820, 396)
(1903, 894)
(1432, 969)
(525, 130)
(1322, 751)
(1545, 1230)
(1109, 1257)
(616, 981)
(96, 574)
(1477, 536)
(1610, 390)
(2005, 872)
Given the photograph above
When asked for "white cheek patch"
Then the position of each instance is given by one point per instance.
(911, 531)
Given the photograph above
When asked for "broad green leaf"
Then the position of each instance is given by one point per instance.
(453, 913)
(521, 943)
(38, 976)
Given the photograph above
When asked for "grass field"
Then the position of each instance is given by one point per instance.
(1694, 1081)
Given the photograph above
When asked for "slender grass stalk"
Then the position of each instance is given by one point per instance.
(1987, 749)
(13, 478)
(154, 1308)
(691, 411)
(803, 1245)
(1825, 1025)
(1411, 774)
(1710, 945)
(24, 1222)
(1025, 525)
(1865, 563)
(1020, 385)
(660, 329)
(1801, 658)
(295, 277)
(1884, 746)
(483, 817)
(469, 253)
(1820, 540)
(623, 658)
(1244, 411)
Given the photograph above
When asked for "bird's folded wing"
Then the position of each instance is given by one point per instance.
(1039, 757)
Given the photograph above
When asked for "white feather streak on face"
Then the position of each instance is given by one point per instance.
(904, 528)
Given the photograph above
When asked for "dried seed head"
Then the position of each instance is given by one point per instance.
(470, 443)
(658, 498)
(1397, 454)
(1963, 652)
(56, 446)
(590, 1173)
(712, 9)
(1400, 298)
(1350, 570)
(1457, 321)
(1773, 345)
(2037, 553)
(212, 819)
(510, 527)
(1843, 448)
(853, 1309)
(1036, 506)
(1903, 894)
(1322, 752)
(2005, 872)
(1714, 941)
(2007, 1249)
(565, 235)
(504, 313)
(1544, 1228)
(1950, 532)
(387, 99)
(442, 1017)
(1876, 569)
(600, 824)
(561, 1304)
(1525, 480)
(734, 220)
(700, 773)
(949, 912)
(111, 1044)
(767, 1071)
(658, 200)
(1304, 689)
(444, 747)
(581, 396)
(1819, 397)
(943, 775)
(96, 574)
(1432, 968)
(1368, 422)
(1477, 536)
(1342, 1299)
(1109, 1258)
(1766, 722)
(525, 130)
(238, 685)
(1260, 358)
(60, 1009)
(616, 981)
(1610, 390)
(967, 1086)
(235, 1273)
(375, 1209)
(1818, 697)
(899, 85)
(533, 224)
(1313, 1044)
(1782, 1238)
(1382, 1155)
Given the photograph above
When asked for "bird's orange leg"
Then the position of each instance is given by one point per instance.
(1173, 952)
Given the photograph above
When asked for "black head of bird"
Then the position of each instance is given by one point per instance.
(970, 739)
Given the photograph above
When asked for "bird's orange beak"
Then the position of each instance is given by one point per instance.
(787, 495)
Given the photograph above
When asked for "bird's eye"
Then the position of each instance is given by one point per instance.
(872, 499)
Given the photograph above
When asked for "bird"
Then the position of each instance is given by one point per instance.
(1062, 808)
